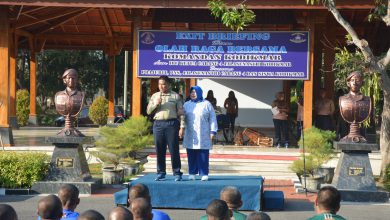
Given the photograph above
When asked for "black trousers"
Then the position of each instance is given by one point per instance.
(281, 132)
(324, 122)
(166, 133)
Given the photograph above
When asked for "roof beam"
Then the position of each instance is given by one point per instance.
(33, 10)
(63, 20)
(87, 37)
(252, 4)
(49, 17)
(106, 22)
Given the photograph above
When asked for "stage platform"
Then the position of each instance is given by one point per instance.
(197, 194)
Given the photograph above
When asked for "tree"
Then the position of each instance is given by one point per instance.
(375, 64)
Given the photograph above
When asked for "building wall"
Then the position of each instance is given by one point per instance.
(254, 98)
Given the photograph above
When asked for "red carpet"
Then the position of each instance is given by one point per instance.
(241, 156)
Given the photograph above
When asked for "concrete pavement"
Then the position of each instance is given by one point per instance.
(297, 206)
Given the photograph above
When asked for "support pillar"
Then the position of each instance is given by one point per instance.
(111, 90)
(308, 84)
(32, 118)
(136, 99)
(6, 137)
(153, 86)
(286, 91)
(12, 80)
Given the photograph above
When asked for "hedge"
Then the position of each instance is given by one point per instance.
(22, 106)
(98, 112)
(21, 170)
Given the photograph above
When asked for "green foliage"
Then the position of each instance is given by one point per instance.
(235, 18)
(318, 145)
(22, 169)
(92, 67)
(347, 62)
(310, 163)
(98, 112)
(379, 11)
(387, 178)
(22, 106)
(117, 144)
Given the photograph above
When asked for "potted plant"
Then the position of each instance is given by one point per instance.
(318, 150)
(119, 144)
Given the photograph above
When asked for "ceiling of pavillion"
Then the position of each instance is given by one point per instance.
(63, 24)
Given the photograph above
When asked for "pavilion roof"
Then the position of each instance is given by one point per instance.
(107, 24)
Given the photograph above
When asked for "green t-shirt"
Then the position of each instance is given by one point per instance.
(236, 216)
(327, 216)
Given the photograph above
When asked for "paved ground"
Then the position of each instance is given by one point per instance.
(297, 206)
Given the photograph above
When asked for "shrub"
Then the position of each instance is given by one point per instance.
(22, 169)
(318, 145)
(122, 142)
(387, 178)
(98, 112)
(22, 106)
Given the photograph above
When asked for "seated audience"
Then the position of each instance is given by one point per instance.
(120, 213)
(258, 216)
(218, 210)
(232, 196)
(327, 204)
(69, 196)
(141, 209)
(91, 215)
(50, 207)
(7, 212)
(142, 191)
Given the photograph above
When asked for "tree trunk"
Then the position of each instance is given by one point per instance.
(377, 66)
(384, 136)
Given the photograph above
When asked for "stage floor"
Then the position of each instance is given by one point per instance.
(197, 194)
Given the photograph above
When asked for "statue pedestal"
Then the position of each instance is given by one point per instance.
(68, 165)
(353, 175)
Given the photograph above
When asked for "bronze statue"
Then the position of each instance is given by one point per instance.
(355, 108)
(69, 103)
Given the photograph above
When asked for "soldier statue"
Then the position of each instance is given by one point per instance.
(69, 103)
(355, 108)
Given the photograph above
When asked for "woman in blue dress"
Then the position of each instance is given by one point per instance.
(201, 127)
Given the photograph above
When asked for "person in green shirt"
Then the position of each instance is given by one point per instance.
(232, 196)
(218, 210)
(327, 204)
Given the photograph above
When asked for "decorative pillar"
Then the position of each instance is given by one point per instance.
(136, 82)
(286, 90)
(308, 84)
(33, 119)
(187, 89)
(153, 86)
(12, 80)
(111, 89)
(6, 137)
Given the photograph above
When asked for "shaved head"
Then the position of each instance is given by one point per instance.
(91, 215)
(50, 207)
(120, 213)
(232, 196)
(141, 209)
(7, 212)
(138, 191)
(69, 196)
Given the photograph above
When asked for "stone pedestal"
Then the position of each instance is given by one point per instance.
(6, 136)
(68, 165)
(353, 175)
(33, 120)
(13, 122)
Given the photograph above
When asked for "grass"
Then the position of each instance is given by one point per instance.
(96, 170)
